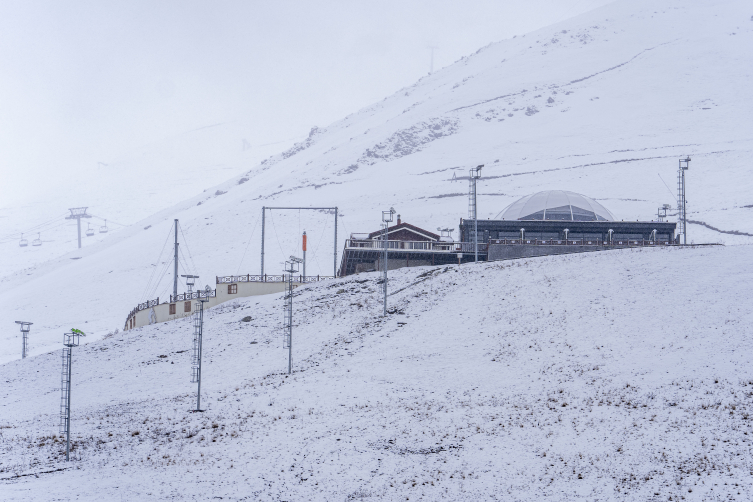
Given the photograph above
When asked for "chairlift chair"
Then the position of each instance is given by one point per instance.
(89, 230)
(103, 228)
(37, 241)
(23, 242)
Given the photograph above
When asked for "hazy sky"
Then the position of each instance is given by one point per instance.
(84, 81)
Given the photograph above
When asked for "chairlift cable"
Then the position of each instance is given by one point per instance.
(156, 264)
(276, 236)
(247, 244)
(185, 241)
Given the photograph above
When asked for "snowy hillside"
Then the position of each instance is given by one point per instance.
(595, 376)
(603, 104)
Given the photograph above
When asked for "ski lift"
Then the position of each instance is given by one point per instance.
(37, 241)
(89, 230)
(103, 228)
(23, 242)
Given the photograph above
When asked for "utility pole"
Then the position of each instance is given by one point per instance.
(291, 267)
(198, 328)
(76, 214)
(175, 274)
(473, 176)
(681, 210)
(386, 220)
(263, 215)
(24, 337)
(304, 256)
(334, 270)
(70, 340)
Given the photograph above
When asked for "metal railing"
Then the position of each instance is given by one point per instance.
(193, 296)
(230, 279)
(581, 242)
(432, 246)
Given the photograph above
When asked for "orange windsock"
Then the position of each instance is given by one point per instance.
(304, 241)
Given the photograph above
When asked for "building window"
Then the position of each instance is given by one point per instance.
(187, 306)
(232, 289)
(172, 309)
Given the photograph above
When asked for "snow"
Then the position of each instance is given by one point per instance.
(581, 376)
(599, 105)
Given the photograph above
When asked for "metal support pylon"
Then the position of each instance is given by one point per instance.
(70, 340)
(198, 324)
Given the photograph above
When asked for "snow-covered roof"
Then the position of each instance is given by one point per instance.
(556, 205)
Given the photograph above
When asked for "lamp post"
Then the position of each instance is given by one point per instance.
(386, 220)
(474, 175)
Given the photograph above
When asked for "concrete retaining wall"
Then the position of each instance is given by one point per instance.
(161, 312)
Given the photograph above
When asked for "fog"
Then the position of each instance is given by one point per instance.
(84, 84)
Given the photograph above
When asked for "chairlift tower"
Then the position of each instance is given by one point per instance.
(76, 214)
(682, 221)
(198, 327)
(473, 176)
(70, 340)
(25, 328)
(291, 268)
(386, 220)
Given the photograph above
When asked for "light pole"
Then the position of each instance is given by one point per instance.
(198, 326)
(70, 340)
(682, 215)
(386, 220)
(291, 267)
(474, 175)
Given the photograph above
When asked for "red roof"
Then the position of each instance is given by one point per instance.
(408, 227)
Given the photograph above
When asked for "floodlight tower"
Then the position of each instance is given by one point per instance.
(76, 214)
(70, 340)
(291, 267)
(190, 281)
(473, 176)
(386, 220)
(198, 327)
(681, 213)
(24, 337)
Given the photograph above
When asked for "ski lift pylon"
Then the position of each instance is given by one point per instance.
(23, 242)
(37, 241)
(89, 230)
(103, 228)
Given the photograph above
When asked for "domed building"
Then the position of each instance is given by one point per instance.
(558, 221)
(556, 205)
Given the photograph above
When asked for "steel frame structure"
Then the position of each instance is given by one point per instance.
(473, 175)
(386, 220)
(198, 323)
(70, 340)
(263, 218)
(291, 267)
(682, 222)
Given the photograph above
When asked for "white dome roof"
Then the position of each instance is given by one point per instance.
(556, 205)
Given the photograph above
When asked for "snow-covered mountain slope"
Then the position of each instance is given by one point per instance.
(601, 104)
(560, 378)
